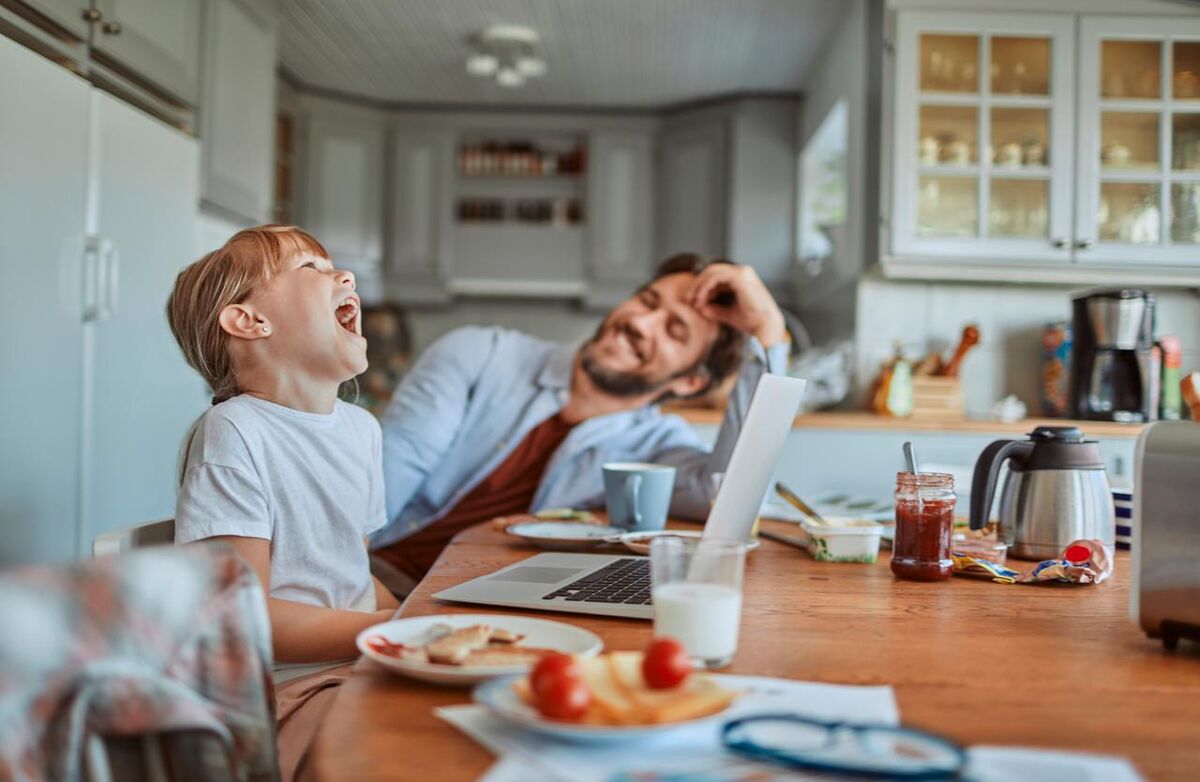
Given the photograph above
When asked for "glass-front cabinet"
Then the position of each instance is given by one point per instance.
(983, 156)
(1055, 142)
(1138, 184)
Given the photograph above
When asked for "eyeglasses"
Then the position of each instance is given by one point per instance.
(878, 751)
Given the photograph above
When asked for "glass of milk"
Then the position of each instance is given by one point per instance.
(697, 591)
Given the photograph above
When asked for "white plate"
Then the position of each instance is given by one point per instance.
(498, 697)
(418, 630)
(639, 542)
(564, 535)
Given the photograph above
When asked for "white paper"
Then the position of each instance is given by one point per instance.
(524, 755)
(1001, 764)
(527, 755)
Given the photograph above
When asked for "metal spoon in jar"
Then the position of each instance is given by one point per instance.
(910, 457)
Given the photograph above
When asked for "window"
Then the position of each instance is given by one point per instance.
(823, 187)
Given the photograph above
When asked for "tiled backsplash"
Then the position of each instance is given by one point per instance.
(925, 316)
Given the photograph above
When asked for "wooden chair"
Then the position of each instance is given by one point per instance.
(135, 536)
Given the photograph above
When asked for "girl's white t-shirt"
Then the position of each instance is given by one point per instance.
(310, 483)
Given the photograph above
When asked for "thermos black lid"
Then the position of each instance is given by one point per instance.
(1062, 448)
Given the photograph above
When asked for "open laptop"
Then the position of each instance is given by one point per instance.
(615, 585)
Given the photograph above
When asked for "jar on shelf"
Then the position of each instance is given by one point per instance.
(924, 523)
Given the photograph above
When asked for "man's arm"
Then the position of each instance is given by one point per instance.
(755, 314)
(694, 466)
(427, 410)
(304, 633)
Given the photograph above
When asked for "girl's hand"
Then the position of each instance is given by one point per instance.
(751, 309)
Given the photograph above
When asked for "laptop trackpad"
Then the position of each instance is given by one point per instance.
(531, 574)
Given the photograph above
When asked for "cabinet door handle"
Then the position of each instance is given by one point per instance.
(92, 14)
(1084, 244)
(1059, 243)
(91, 279)
(110, 262)
(111, 28)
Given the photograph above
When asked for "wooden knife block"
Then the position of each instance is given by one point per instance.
(937, 399)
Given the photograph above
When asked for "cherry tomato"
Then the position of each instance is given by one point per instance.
(564, 698)
(551, 667)
(665, 664)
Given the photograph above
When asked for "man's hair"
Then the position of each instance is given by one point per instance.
(725, 354)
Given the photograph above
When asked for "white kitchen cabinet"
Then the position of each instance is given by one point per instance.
(982, 148)
(97, 216)
(43, 204)
(67, 14)
(621, 206)
(156, 40)
(693, 188)
(140, 396)
(1138, 175)
(420, 232)
(237, 116)
(1044, 147)
(343, 181)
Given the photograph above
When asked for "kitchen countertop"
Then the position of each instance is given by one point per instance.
(862, 420)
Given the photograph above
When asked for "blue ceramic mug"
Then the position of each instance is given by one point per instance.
(638, 495)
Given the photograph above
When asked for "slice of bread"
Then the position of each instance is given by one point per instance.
(452, 649)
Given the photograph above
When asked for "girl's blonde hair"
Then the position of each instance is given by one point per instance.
(228, 275)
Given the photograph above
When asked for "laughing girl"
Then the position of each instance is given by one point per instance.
(279, 468)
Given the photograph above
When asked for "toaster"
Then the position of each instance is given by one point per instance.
(1165, 588)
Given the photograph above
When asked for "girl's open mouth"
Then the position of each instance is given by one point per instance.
(347, 314)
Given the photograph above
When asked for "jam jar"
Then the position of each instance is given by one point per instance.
(924, 522)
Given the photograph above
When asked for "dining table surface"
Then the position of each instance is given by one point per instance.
(1048, 666)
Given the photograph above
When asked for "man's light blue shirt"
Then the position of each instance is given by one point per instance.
(477, 392)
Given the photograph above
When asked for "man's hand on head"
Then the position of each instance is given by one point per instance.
(751, 309)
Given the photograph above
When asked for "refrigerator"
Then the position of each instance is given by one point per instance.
(98, 213)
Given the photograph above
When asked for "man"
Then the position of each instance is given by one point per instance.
(492, 422)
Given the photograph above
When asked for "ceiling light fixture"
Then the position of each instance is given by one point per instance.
(507, 52)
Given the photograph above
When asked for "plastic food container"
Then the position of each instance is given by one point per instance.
(844, 540)
(993, 551)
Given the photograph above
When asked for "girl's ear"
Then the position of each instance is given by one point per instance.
(242, 322)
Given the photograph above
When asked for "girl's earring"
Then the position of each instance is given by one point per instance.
(266, 329)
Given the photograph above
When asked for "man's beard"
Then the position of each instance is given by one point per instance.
(616, 382)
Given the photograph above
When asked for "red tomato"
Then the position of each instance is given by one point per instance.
(551, 667)
(665, 664)
(564, 698)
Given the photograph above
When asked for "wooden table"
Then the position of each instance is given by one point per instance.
(982, 663)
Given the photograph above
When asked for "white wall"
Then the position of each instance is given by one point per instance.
(847, 69)
(925, 316)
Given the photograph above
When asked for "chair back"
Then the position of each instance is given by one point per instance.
(149, 666)
(135, 536)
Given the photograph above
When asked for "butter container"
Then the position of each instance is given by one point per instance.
(844, 540)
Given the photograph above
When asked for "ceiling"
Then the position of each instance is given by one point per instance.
(615, 53)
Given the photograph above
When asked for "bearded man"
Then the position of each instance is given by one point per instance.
(491, 422)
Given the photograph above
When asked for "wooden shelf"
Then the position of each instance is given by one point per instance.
(863, 421)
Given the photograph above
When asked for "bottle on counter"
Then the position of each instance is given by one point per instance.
(924, 524)
(1171, 399)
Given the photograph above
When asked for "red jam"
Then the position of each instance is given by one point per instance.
(924, 522)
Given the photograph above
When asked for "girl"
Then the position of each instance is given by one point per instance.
(279, 468)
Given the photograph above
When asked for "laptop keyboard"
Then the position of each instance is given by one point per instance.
(626, 580)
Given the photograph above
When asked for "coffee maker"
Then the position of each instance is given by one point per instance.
(1114, 376)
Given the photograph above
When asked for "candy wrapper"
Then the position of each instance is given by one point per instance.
(1082, 562)
(977, 567)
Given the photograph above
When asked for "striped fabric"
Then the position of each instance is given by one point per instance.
(166, 640)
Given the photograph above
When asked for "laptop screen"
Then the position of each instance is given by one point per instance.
(757, 450)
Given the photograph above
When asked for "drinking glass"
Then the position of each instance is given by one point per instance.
(697, 590)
